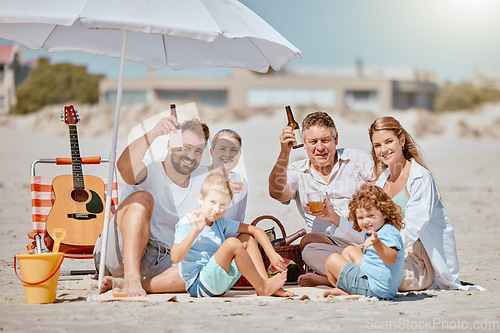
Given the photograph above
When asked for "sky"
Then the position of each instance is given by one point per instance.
(450, 37)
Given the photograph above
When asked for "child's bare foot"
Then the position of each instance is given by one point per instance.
(335, 292)
(272, 284)
(283, 293)
(312, 280)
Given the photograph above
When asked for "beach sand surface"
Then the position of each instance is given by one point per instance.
(462, 149)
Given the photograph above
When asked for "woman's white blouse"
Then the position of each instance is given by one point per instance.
(426, 218)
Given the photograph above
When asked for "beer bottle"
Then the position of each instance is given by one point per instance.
(295, 127)
(288, 239)
(175, 138)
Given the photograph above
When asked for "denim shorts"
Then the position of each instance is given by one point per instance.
(354, 281)
(213, 280)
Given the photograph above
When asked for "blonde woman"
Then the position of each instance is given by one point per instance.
(226, 154)
(431, 256)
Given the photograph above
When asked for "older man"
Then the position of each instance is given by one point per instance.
(156, 196)
(337, 173)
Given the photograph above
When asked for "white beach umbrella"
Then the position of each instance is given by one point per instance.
(181, 34)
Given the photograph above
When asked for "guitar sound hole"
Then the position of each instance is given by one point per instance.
(79, 195)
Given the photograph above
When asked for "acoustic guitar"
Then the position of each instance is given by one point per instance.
(79, 203)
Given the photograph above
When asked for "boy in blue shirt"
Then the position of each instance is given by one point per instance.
(377, 268)
(211, 250)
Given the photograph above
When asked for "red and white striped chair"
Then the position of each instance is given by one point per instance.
(43, 198)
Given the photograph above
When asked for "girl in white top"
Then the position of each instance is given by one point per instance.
(431, 256)
(226, 153)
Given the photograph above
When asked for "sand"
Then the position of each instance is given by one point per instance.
(462, 150)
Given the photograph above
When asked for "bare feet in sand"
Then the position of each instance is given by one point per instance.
(335, 292)
(107, 284)
(283, 293)
(313, 280)
(272, 285)
(134, 286)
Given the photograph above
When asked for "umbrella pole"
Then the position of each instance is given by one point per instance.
(112, 162)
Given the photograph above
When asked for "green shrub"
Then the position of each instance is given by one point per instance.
(463, 96)
(54, 84)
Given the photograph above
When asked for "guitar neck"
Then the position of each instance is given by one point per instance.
(76, 161)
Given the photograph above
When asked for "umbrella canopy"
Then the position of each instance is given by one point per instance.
(181, 34)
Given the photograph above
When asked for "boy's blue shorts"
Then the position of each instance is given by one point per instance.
(354, 281)
(213, 280)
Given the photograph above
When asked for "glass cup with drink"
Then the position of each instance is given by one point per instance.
(236, 180)
(316, 201)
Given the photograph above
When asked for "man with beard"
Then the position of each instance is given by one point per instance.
(157, 196)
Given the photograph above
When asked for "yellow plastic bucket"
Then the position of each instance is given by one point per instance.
(40, 275)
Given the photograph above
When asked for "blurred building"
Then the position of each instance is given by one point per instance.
(487, 78)
(363, 89)
(10, 60)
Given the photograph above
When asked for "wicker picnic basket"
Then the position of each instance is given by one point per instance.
(291, 252)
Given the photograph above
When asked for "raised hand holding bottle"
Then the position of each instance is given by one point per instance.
(295, 127)
(175, 138)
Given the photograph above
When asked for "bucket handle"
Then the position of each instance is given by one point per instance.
(36, 283)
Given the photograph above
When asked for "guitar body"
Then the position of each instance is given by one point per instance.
(78, 211)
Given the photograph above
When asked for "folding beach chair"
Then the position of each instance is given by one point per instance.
(42, 201)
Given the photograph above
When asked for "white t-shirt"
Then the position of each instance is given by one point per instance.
(171, 201)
